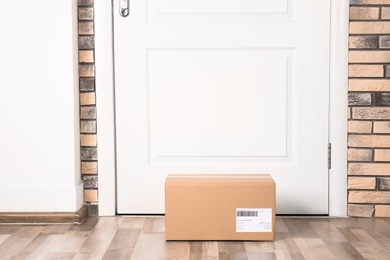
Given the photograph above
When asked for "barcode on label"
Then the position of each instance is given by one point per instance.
(247, 213)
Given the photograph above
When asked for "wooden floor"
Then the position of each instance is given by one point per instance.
(143, 238)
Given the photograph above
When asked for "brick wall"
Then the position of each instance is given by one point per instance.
(88, 104)
(369, 111)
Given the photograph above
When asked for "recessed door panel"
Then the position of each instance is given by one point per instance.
(217, 103)
(206, 10)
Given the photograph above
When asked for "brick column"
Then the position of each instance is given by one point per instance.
(88, 132)
(369, 114)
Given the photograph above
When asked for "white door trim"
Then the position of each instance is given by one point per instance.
(106, 110)
(105, 104)
(338, 119)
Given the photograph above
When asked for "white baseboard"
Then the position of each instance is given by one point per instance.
(41, 199)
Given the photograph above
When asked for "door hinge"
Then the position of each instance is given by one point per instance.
(329, 156)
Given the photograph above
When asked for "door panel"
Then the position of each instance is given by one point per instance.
(222, 87)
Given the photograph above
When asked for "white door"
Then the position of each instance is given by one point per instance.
(222, 86)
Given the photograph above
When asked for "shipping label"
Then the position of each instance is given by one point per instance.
(254, 220)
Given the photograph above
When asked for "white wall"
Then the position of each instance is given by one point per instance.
(39, 129)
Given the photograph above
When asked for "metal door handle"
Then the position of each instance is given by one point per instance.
(124, 8)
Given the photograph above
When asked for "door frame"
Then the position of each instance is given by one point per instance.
(338, 105)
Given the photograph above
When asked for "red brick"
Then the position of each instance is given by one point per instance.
(362, 183)
(365, 141)
(382, 127)
(88, 140)
(89, 168)
(382, 211)
(369, 85)
(355, 210)
(86, 28)
(90, 195)
(86, 13)
(369, 28)
(382, 155)
(365, 71)
(371, 113)
(369, 56)
(369, 169)
(359, 154)
(87, 98)
(367, 2)
(361, 127)
(364, 13)
(86, 56)
(376, 197)
(86, 70)
(385, 13)
(363, 42)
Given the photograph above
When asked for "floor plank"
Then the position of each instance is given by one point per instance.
(123, 244)
(175, 250)
(59, 255)
(210, 250)
(19, 240)
(291, 246)
(88, 225)
(56, 243)
(278, 248)
(261, 256)
(133, 222)
(347, 252)
(371, 250)
(300, 228)
(149, 247)
(196, 250)
(8, 229)
(4, 237)
(313, 248)
(335, 241)
(100, 238)
(30, 250)
(378, 229)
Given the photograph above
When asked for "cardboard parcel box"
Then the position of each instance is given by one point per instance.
(220, 207)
